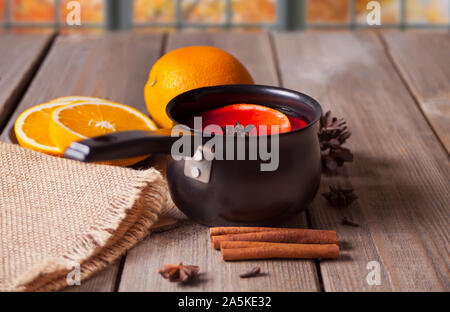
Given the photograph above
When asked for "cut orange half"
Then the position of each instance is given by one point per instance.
(31, 128)
(83, 120)
(248, 114)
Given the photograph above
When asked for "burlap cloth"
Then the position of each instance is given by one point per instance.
(56, 212)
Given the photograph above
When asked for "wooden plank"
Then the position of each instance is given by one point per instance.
(103, 281)
(20, 56)
(252, 50)
(190, 243)
(113, 66)
(400, 171)
(423, 60)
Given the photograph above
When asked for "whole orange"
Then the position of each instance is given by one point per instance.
(189, 68)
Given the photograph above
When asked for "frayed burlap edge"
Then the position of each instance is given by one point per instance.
(122, 225)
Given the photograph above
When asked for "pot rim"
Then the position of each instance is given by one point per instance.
(308, 100)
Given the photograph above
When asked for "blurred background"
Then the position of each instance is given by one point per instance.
(239, 15)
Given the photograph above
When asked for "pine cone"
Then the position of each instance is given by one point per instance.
(332, 134)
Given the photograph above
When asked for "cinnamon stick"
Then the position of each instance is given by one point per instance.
(241, 244)
(279, 251)
(299, 236)
(214, 231)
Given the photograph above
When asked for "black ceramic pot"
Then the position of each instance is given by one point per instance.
(229, 192)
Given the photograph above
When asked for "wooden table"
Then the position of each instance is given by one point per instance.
(394, 90)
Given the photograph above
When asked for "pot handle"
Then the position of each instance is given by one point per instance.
(120, 145)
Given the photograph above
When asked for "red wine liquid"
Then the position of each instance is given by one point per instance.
(296, 123)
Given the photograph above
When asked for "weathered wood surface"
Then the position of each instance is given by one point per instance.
(400, 172)
(20, 56)
(423, 59)
(103, 281)
(190, 243)
(112, 66)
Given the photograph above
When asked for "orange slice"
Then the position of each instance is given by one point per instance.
(83, 120)
(31, 128)
(247, 114)
(76, 98)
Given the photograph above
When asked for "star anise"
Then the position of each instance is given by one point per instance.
(180, 272)
(333, 133)
(339, 197)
